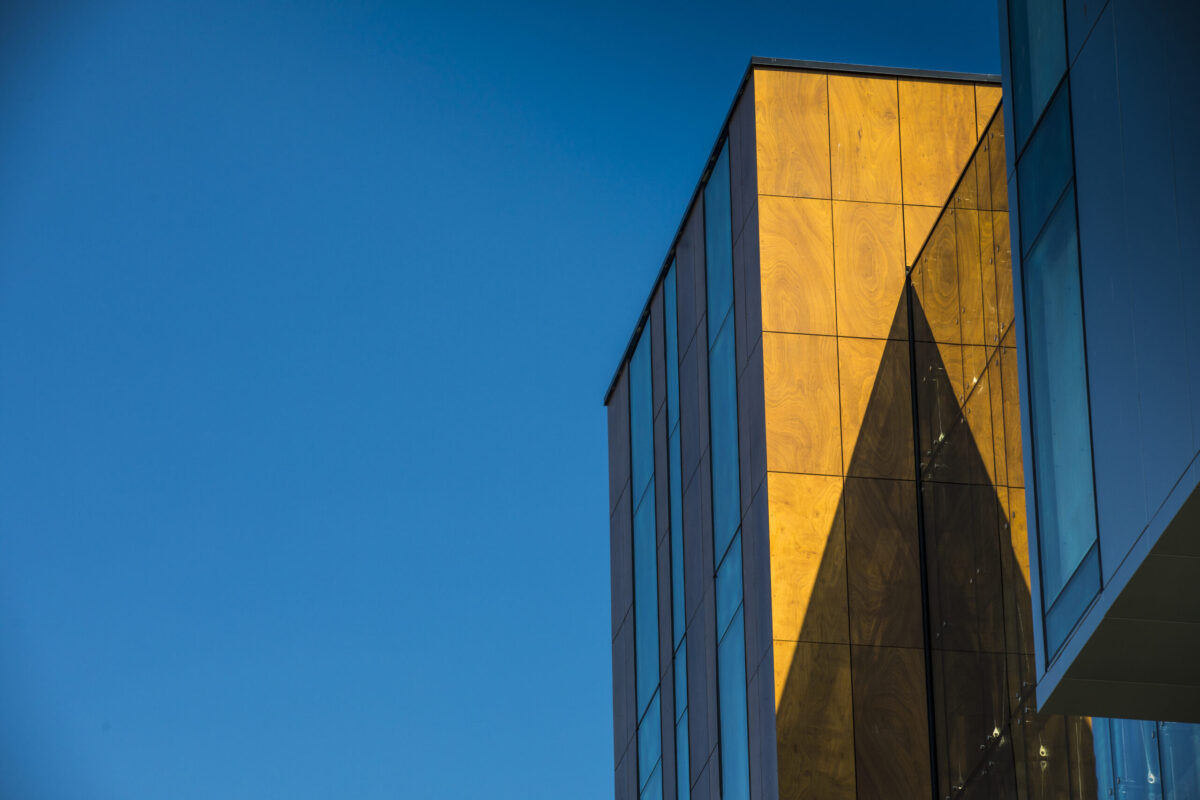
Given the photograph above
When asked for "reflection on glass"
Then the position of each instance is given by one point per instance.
(729, 585)
(722, 393)
(718, 244)
(731, 690)
(672, 340)
(645, 599)
(1179, 752)
(1058, 392)
(683, 789)
(641, 416)
(1045, 168)
(649, 745)
(1039, 58)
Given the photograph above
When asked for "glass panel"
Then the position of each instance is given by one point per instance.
(649, 738)
(729, 585)
(1038, 48)
(681, 672)
(677, 611)
(1062, 447)
(672, 336)
(731, 677)
(1135, 759)
(1106, 784)
(1072, 600)
(718, 244)
(682, 770)
(641, 416)
(645, 599)
(654, 787)
(1179, 748)
(722, 393)
(1045, 168)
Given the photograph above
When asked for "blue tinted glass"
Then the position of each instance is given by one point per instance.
(722, 401)
(683, 788)
(1038, 49)
(677, 612)
(672, 336)
(641, 416)
(731, 690)
(654, 787)
(1062, 450)
(1106, 782)
(718, 244)
(649, 742)
(1135, 760)
(1179, 749)
(1072, 600)
(729, 585)
(681, 680)
(645, 599)
(1045, 168)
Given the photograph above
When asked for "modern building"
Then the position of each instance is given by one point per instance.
(820, 573)
(1105, 178)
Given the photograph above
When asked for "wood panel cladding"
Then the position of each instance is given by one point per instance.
(801, 393)
(937, 135)
(796, 256)
(869, 263)
(864, 139)
(791, 117)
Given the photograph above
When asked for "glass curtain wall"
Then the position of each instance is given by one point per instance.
(645, 569)
(726, 496)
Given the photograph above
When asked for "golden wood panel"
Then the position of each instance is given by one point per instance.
(808, 558)
(1018, 609)
(987, 264)
(1004, 286)
(996, 392)
(935, 280)
(814, 721)
(796, 247)
(864, 145)
(791, 116)
(883, 562)
(868, 247)
(918, 222)
(1012, 413)
(937, 135)
(986, 100)
(891, 725)
(801, 390)
(978, 417)
(876, 407)
(970, 276)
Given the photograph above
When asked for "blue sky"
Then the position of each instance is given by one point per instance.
(307, 311)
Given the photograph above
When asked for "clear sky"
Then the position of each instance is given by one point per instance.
(307, 310)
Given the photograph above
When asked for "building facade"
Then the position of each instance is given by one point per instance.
(820, 574)
(1105, 178)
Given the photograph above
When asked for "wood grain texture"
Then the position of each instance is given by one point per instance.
(918, 222)
(1019, 627)
(814, 721)
(864, 145)
(876, 408)
(883, 562)
(997, 164)
(996, 393)
(808, 558)
(796, 257)
(970, 276)
(978, 416)
(1004, 285)
(891, 726)
(990, 286)
(868, 247)
(791, 115)
(937, 135)
(986, 99)
(800, 386)
(1012, 415)
(970, 702)
(935, 280)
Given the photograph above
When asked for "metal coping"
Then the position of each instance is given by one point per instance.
(768, 63)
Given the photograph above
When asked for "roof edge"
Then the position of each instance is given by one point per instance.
(862, 69)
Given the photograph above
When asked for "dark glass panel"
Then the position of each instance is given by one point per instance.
(731, 679)
(653, 789)
(677, 612)
(1135, 759)
(1106, 782)
(722, 390)
(1037, 46)
(672, 337)
(681, 680)
(641, 416)
(718, 244)
(645, 599)
(649, 743)
(1045, 168)
(1179, 749)
(1062, 449)
(729, 585)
